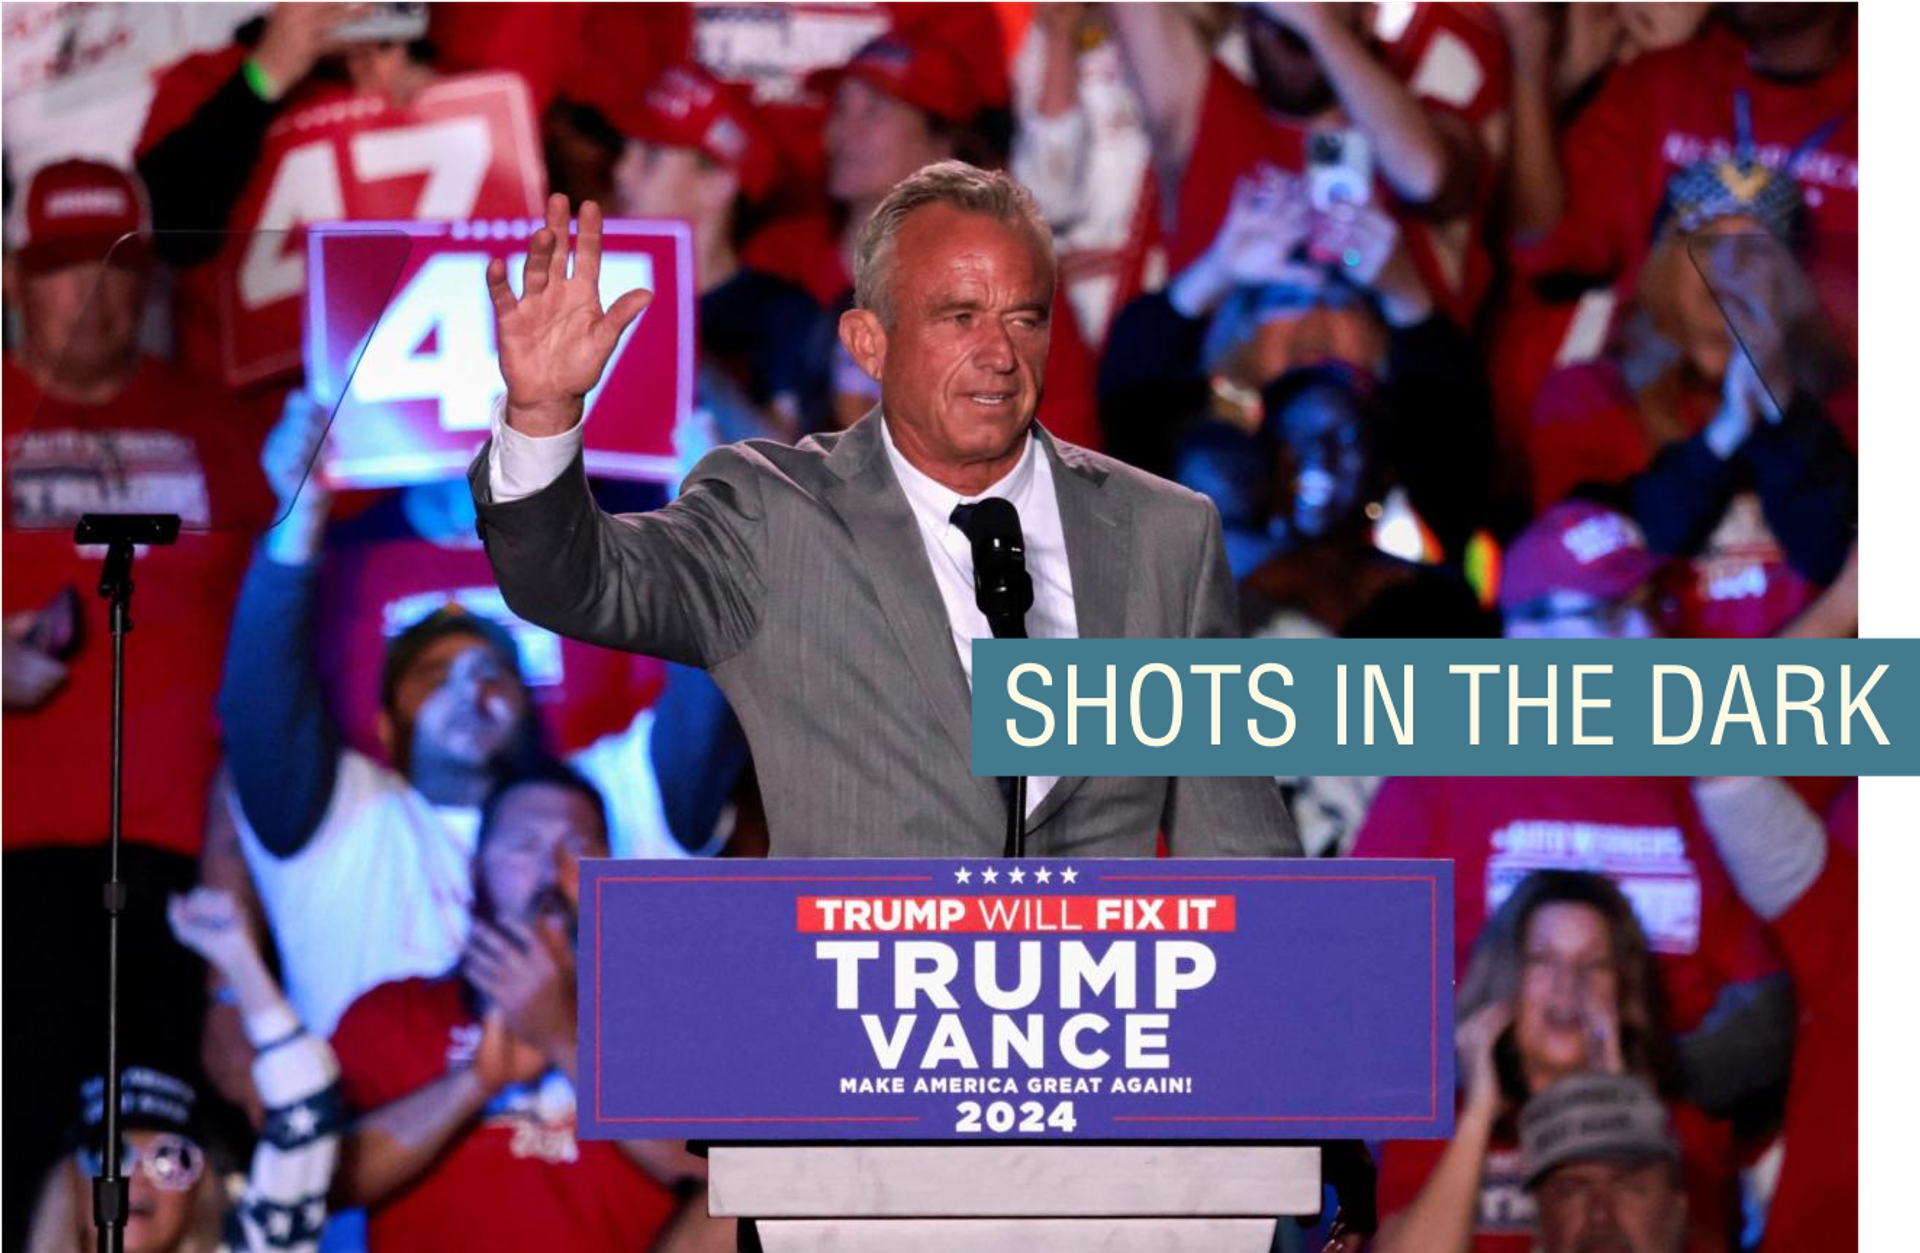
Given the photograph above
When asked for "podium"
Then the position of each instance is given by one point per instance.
(1045, 1056)
(1158, 1198)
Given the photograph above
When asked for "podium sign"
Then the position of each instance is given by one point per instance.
(1044, 1000)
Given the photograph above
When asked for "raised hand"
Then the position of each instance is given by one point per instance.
(290, 458)
(1476, 1039)
(296, 37)
(1266, 221)
(555, 340)
(288, 454)
(526, 973)
(1603, 1037)
(32, 675)
(209, 921)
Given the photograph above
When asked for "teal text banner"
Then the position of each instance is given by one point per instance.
(1446, 707)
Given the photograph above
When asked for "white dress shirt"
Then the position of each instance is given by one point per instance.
(519, 465)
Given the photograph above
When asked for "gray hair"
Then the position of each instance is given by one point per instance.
(954, 183)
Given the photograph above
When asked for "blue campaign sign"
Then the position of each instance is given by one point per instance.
(965, 999)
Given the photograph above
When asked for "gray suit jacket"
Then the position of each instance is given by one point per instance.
(797, 577)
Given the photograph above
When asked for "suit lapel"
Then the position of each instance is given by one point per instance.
(868, 500)
(1099, 534)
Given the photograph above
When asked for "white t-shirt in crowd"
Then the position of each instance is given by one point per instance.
(383, 889)
(380, 892)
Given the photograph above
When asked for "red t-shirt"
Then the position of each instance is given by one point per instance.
(165, 444)
(1586, 428)
(1452, 57)
(1506, 1216)
(372, 588)
(1643, 833)
(1813, 1206)
(1652, 116)
(519, 1179)
(1671, 108)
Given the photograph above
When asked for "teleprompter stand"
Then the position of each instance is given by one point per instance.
(120, 533)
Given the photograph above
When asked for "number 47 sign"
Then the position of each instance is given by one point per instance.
(400, 338)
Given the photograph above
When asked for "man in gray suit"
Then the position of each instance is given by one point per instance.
(828, 586)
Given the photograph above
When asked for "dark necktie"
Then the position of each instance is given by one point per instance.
(962, 517)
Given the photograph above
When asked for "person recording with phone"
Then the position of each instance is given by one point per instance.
(829, 586)
(1401, 114)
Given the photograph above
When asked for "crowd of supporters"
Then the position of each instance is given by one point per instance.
(1472, 320)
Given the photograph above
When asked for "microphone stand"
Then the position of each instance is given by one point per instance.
(119, 532)
(1017, 819)
(1014, 628)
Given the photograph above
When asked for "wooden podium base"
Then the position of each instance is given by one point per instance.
(1154, 1198)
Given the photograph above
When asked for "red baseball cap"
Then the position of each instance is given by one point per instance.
(686, 107)
(924, 75)
(1577, 546)
(75, 212)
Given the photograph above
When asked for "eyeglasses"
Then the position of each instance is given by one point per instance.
(170, 1162)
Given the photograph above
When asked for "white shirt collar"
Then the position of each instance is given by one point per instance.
(935, 501)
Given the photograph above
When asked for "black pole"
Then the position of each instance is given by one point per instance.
(1017, 818)
(119, 532)
(110, 1188)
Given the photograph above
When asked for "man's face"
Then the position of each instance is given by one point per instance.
(1603, 1207)
(530, 857)
(1326, 452)
(962, 366)
(463, 703)
(873, 141)
(655, 181)
(81, 321)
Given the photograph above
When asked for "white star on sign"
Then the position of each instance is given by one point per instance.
(301, 1121)
(1069, 875)
(989, 875)
(1042, 875)
(962, 875)
(279, 1224)
(316, 1213)
(1016, 875)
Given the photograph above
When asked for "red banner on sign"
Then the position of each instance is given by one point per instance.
(897, 914)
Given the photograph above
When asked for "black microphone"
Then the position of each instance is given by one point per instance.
(1002, 588)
